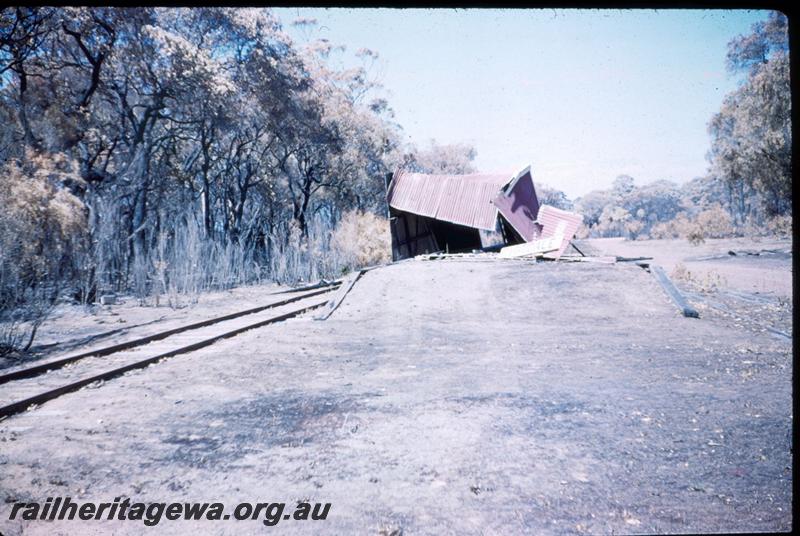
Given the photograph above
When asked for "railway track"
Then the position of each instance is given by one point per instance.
(34, 385)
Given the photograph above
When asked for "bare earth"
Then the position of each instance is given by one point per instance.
(442, 397)
(769, 273)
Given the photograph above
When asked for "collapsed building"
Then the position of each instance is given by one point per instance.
(457, 213)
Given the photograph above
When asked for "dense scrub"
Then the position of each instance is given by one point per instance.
(167, 151)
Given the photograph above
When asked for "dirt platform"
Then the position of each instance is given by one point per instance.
(442, 397)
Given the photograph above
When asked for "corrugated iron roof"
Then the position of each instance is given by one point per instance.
(519, 205)
(555, 220)
(462, 199)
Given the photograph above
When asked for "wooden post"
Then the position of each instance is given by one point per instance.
(673, 292)
(333, 303)
(387, 179)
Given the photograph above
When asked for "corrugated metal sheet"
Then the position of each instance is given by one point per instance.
(555, 220)
(461, 199)
(520, 206)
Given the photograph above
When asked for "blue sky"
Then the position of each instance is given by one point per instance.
(581, 95)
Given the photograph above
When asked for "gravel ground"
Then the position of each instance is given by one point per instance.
(442, 397)
(769, 273)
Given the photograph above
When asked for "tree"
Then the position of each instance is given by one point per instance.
(553, 197)
(751, 135)
(591, 205)
(622, 186)
(23, 31)
(454, 159)
(657, 201)
(749, 52)
(40, 226)
(205, 147)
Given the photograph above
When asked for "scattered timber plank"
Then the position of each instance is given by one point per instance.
(756, 252)
(572, 244)
(585, 247)
(450, 256)
(633, 259)
(321, 284)
(608, 259)
(673, 292)
(723, 308)
(336, 300)
(536, 247)
(740, 253)
(708, 258)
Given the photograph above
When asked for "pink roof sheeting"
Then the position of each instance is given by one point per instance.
(519, 205)
(461, 199)
(552, 220)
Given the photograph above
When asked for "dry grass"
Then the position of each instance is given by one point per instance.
(183, 263)
(41, 224)
(362, 239)
(707, 281)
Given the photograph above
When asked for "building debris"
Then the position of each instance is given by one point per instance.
(722, 304)
(583, 247)
(476, 256)
(518, 205)
(450, 213)
(462, 213)
(757, 253)
(633, 259)
(743, 253)
(607, 259)
(557, 227)
(534, 248)
(557, 222)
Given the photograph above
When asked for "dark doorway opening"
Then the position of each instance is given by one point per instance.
(454, 238)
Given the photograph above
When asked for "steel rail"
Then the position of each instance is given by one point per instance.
(36, 370)
(22, 405)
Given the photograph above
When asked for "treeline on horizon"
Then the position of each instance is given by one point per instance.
(165, 151)
(748, 187)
